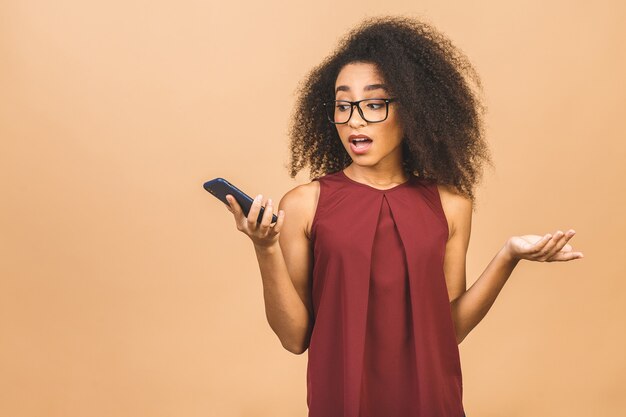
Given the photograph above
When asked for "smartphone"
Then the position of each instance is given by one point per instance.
(219, 187)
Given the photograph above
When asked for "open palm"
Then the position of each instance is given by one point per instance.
(547, 248)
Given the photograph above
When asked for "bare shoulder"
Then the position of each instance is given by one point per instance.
(300, 204)
(456, 207)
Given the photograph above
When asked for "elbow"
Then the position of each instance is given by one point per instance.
(296, 350)
(299, 346)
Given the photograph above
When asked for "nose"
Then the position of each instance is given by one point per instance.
(355, 118)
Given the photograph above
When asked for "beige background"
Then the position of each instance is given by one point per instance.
(125, 288)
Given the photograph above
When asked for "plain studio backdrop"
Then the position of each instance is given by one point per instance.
(125, 288)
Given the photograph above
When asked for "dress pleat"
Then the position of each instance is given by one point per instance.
(389, 382)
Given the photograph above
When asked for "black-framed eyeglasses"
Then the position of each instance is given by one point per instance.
(372, 110)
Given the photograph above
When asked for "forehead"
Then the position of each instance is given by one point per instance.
(358, 74)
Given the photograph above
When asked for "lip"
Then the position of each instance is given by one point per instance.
(362, 149)
(351, 137)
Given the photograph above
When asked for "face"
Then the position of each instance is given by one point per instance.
(357, 81)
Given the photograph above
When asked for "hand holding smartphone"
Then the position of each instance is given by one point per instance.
(220, 188)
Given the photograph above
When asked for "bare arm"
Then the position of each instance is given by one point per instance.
(284, 257)
(470, 306)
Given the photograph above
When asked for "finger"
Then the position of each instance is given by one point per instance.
(549, 245)
(540, 244)
(562, 242)
(234, 207)
(554, 244)
(232, 203)
(253, 214)
(267, 215)
(569, 249)
(567, 252)
(229, 204)
(566, 256)
(279, 223)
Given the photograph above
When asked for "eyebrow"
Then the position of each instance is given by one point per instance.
(367, 87)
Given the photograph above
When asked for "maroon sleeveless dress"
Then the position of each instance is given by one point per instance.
(383, 341)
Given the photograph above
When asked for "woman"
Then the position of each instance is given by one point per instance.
(365, 266)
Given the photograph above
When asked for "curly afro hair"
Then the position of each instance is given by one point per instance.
(440, 113)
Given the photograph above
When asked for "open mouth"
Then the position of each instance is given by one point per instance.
(361, 142)
(360, 145)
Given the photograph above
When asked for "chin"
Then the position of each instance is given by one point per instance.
(360, 162)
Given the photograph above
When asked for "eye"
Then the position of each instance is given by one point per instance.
(342, 107)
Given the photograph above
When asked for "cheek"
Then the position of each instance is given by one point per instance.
(397, 125)
(394, 133)
(343, 131)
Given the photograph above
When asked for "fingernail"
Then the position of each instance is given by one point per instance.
(259, 197)
(269, 201)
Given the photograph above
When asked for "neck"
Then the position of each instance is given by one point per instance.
(377, 176)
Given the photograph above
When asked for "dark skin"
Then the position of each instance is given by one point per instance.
(284, 248)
